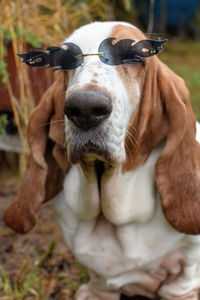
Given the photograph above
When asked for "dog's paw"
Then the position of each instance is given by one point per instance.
(86, 293)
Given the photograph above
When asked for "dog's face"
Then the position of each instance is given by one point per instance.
(100, 99)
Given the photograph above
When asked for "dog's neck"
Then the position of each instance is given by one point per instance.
(94, 188)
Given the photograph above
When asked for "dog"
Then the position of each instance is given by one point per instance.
(123, 172)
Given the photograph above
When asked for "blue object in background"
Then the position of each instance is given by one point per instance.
(169, 15)
(178, 12)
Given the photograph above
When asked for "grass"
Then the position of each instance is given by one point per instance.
(28, 282)
(43, 278)
(183, 58)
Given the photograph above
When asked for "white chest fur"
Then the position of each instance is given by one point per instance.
(123, 234)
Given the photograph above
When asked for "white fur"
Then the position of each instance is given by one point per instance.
(122, 236)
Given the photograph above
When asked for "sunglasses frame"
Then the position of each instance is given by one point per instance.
(70, 56)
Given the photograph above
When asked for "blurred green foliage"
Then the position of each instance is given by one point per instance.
(183, 58)
(3, 122)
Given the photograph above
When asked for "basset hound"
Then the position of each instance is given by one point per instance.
(121, 160)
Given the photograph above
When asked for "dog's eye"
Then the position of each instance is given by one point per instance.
(126, 51)
(65, 58)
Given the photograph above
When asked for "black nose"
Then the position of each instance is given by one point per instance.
(87, 109)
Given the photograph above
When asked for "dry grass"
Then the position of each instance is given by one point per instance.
(23, 106)
(52, 20)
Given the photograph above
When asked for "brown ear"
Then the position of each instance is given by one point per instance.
(177, 170)
(45, 172)
(164, 116)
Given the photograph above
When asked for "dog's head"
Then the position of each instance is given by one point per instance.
(100, 98)
(116, 115)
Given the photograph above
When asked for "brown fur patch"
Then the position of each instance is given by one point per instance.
(94, 81)
(127, 71)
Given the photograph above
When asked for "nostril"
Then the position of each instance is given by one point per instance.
(74, 112)
(100, 112)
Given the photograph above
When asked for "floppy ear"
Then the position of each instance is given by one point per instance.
(47, 163)
(164, 116)
(177, 171)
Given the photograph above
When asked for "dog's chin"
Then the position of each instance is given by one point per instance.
(89, 154)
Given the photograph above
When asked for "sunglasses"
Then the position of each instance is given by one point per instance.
(70, 56)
